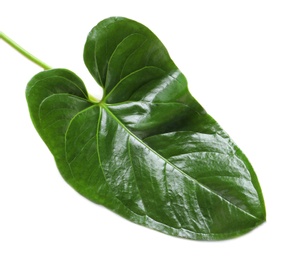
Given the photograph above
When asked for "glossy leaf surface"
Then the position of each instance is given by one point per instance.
(148, 150)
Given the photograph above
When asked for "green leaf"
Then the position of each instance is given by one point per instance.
(148, 150)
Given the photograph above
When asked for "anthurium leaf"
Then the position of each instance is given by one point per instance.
(148, 150)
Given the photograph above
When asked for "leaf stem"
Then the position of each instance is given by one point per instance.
(24, 52)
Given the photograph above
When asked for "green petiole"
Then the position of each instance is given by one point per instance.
(24, 52)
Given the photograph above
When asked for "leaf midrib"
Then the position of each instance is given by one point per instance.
(172, 165)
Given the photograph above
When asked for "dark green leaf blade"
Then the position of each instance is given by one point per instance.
(51, 82)
(148, 151)
(116, 44)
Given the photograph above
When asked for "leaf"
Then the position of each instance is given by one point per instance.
(148, 150)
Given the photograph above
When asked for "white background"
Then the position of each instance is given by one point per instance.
(236, 56)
